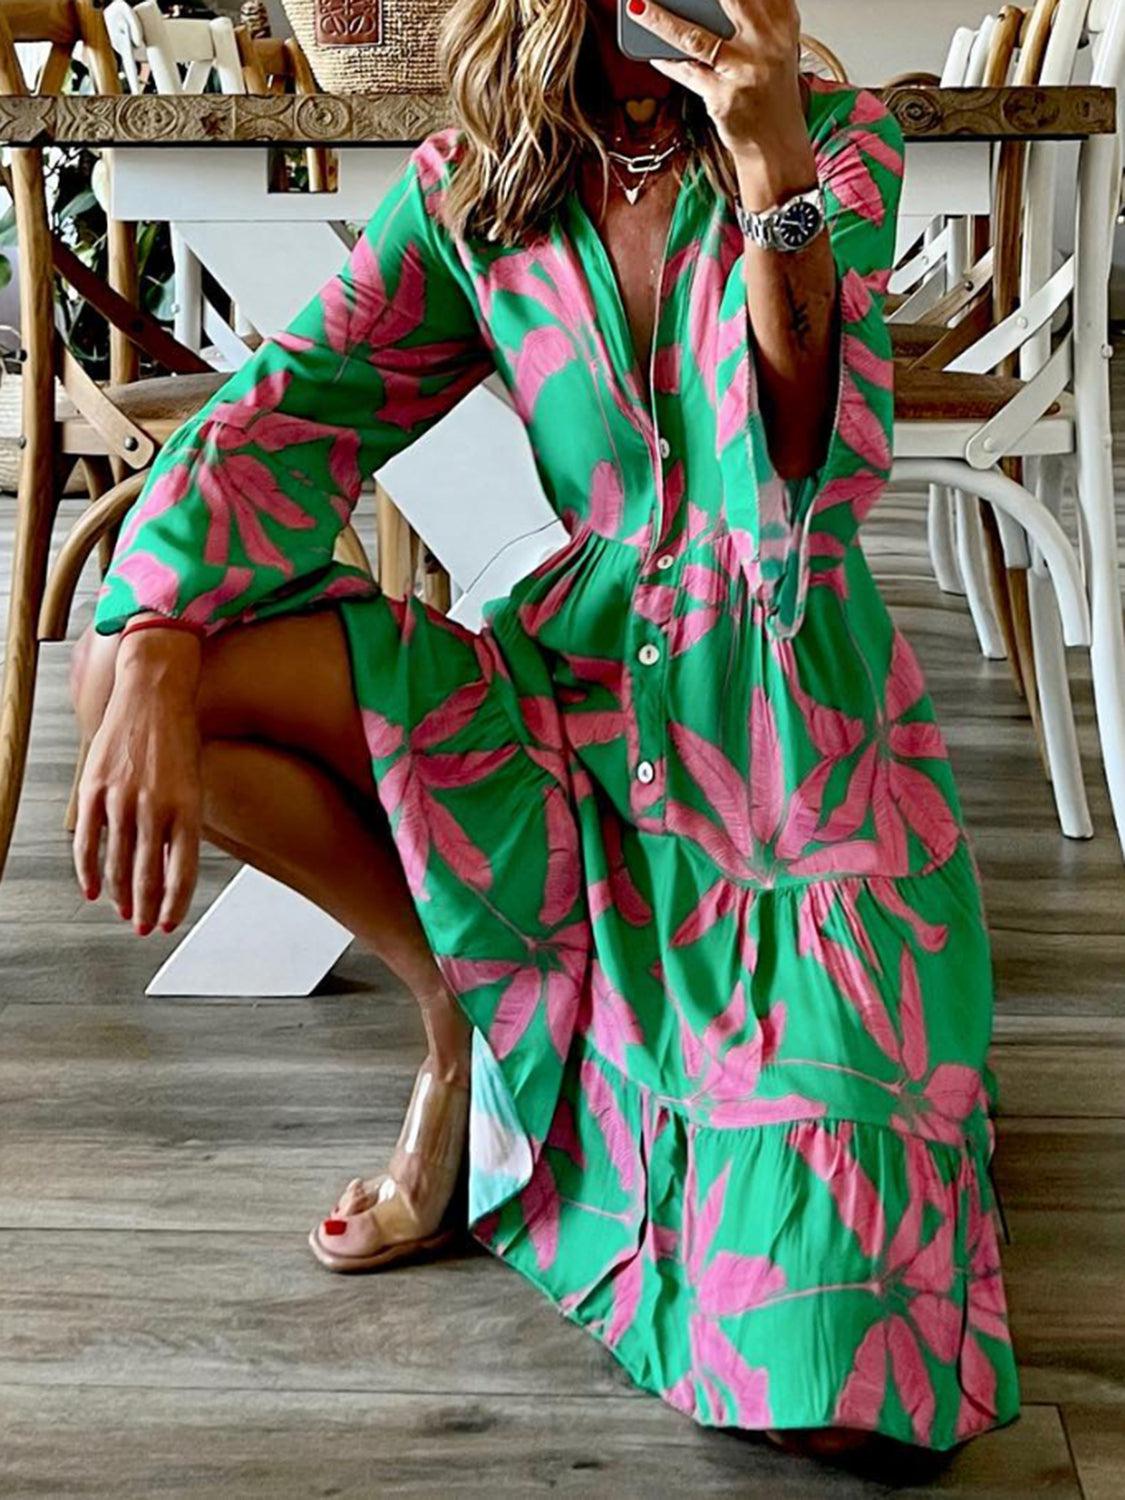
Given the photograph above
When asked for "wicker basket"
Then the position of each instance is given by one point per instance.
(370, 46)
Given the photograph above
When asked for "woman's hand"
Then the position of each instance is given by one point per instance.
(752, 89)
(141, 782)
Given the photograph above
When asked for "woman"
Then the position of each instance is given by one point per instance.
(669, 853)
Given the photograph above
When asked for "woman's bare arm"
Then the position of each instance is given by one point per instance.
(791, 296)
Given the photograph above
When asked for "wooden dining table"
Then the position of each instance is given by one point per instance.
(197, 161)
(202, 163)
(925, 112)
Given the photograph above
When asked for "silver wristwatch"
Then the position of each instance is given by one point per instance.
(786, 226)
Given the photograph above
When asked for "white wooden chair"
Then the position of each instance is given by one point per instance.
(928, 274)
(945, 269)
(1059, 412)
(181, 56)
(184, 55)
(1048, 45)
(927, 271)
(1076, 23)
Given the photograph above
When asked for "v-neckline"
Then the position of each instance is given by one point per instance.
(582, 230)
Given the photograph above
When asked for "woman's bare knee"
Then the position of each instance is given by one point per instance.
(285, 682)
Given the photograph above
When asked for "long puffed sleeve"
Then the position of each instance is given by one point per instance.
(239, 514)
(802, 525)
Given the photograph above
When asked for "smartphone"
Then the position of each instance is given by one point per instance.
(635, 41)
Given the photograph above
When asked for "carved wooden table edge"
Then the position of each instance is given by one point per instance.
(925, 114)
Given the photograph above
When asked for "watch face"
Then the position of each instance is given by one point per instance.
(797, 224)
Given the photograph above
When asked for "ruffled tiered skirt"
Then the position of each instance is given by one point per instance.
(736, 1122)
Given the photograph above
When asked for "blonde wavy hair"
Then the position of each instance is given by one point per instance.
(518, 73)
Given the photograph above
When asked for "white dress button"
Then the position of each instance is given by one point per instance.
(645, 771)
(649, 653)
(665, 560)
(665, 447)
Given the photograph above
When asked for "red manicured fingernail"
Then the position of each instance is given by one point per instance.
(335, 1226)
(636, 6)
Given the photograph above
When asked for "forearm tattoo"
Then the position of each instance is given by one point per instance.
(799, 324)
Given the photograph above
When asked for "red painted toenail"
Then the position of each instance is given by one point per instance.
(636, 6)
(335, 1226)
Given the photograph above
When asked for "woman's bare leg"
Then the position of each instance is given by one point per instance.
(276, 810)
(287, 787)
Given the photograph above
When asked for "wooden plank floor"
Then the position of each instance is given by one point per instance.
(164, 1332)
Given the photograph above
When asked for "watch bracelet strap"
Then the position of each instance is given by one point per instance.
(755, 226)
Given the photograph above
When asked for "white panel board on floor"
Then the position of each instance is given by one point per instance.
(257, 939)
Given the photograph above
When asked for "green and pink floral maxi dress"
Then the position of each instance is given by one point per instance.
(678, 821)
